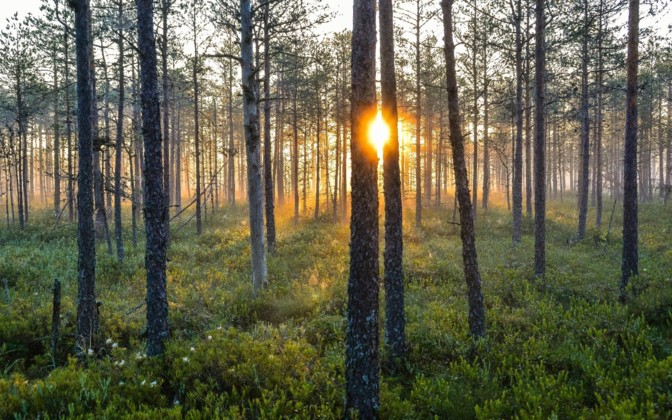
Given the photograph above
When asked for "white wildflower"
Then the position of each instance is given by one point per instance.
(185, 359)
(209, 337)
(143, 382)
(192, 349)
(115, 345)
(108, 341)
(152, 384)
(89, 352)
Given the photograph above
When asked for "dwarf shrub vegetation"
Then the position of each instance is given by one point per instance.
(561, 347)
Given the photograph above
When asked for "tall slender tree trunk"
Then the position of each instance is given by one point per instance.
(119, 141)
(197, 136)
(598, 144)
(68, 127)
(295, 154)
(518, 143)
(268, 173)
(486, 129)
(418, 119)
(362, 364)
(395, 317)
(232, 147)
(474, 70)
(165, 10)
(252, 144)
(57, 145)
(585, 130)
(155, 203)
(630, 264)
(539, 140)
(528, 115)
(87, 309)
(467, 233)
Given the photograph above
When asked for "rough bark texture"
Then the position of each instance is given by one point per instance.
(469, 258)
(518, 144)
(165, 10)
(154, 205)
(362, 364)
(268, 174)
(629, 264)
(584, 180)
(395, 318)
(87, 311)
(539, 143)
(252, 144)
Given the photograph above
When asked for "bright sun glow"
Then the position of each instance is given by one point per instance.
(379, 133)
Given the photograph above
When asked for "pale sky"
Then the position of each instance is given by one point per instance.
(343, 9)
(342, 20)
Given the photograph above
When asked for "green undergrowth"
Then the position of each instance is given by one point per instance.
(561, 347)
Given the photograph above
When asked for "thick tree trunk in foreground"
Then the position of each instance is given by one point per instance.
(469, 258)
(362, 364)
(87, 311)
(395, 318)
(252, 144)
(539, 143)
(155, 204)
(629, 265)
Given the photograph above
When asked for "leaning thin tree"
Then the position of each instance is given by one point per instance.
(362, 365)
(155, 204)
(469, 258)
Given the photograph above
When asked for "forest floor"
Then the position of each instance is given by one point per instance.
(559, 347)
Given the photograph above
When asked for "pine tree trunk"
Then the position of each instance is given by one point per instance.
(57, 146)
(87, 310)
(629, 265)
(395, 318)
(268, 174)
(362, 365)
(155, 204)
(539, 140)
(585, 132)
(518, 143)
(119, 142)
(418, 119)
(467, 233)
(598, 145)
(165, 10)
(252, 144)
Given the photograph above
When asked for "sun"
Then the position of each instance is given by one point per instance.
(379, 133)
